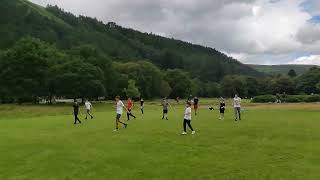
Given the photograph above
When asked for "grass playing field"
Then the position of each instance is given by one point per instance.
(271, 142)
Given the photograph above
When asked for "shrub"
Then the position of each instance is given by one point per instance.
(264, 99)
(287, 98)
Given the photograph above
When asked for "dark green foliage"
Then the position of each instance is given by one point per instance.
(286, 99)
(132, 91)
(264, 99)
(46, 52)
(179, 82)
(292, 73)
(308, 82)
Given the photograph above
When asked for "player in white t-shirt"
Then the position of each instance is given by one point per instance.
(237, 107)
(187, 119)
(88, 107)
(119, 111)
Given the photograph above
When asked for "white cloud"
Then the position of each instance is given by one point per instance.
(312, 59)
(253, 31)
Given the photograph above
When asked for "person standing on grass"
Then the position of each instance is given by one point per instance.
(129, 108)
(165, 105)
(119, 111)
(142, 105)
(222, 108)
(187, 119)
(76, 112)
(237, 107)
(196, 104)
(88, 107)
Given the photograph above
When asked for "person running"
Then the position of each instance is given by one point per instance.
(76, 112)
(129, 108)
(196, 104)
(187, 119)
(222, 108)
(165, 105)
(88, 107)
(119, 111)
(237, 107)
(142, 105)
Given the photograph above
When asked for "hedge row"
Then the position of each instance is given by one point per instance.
(287, 98)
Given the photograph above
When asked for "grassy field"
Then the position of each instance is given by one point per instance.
(272, 142)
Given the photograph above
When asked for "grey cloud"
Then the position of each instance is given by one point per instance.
(255, 27)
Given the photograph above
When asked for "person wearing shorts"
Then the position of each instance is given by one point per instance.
(119, 110)
(222, 108)
(165, 105)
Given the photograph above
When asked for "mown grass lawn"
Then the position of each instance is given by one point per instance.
(272, 142)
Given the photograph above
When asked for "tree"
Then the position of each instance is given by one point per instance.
(79, 79)
(165, 89)
(307, 82)
(232, 85)
(146, 75)
(132, 91)
(180, 83)
(292, 73)
(25, 69)
(283, 85)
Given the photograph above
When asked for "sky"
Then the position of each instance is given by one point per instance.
(252, 31)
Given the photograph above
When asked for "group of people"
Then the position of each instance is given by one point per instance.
(236, 103)
(165, 105)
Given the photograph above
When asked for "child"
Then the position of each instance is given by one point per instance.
(222, 108)
(187, 119)
(120, 107)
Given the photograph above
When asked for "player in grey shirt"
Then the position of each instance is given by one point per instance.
(237, 107)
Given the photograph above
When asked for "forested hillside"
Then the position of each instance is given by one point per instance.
(281, 69)
(20, 18)
(46, 52)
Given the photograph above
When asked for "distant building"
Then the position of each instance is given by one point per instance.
(112, 25)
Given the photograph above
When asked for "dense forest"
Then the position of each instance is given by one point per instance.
(46, 52)
(282, 69)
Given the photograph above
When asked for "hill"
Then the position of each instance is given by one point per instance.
(20, 18)
(281, 69)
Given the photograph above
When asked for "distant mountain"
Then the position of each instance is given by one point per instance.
(20, 18)
(281, 69)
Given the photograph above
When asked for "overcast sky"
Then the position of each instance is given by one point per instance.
(252, 31)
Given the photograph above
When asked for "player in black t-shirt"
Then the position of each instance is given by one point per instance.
(196, 104)
(142, 105)
(76, 112)
(222, 108)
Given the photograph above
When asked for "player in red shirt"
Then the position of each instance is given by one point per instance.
(130, 107)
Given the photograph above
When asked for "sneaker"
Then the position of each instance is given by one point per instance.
(126, 125)
(91, 117)
(184, 133)
(193, 132)
(167, 119)
(115, 130)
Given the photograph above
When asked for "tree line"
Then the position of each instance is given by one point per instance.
(32, 68)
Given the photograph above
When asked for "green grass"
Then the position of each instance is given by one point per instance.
(272, 142)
